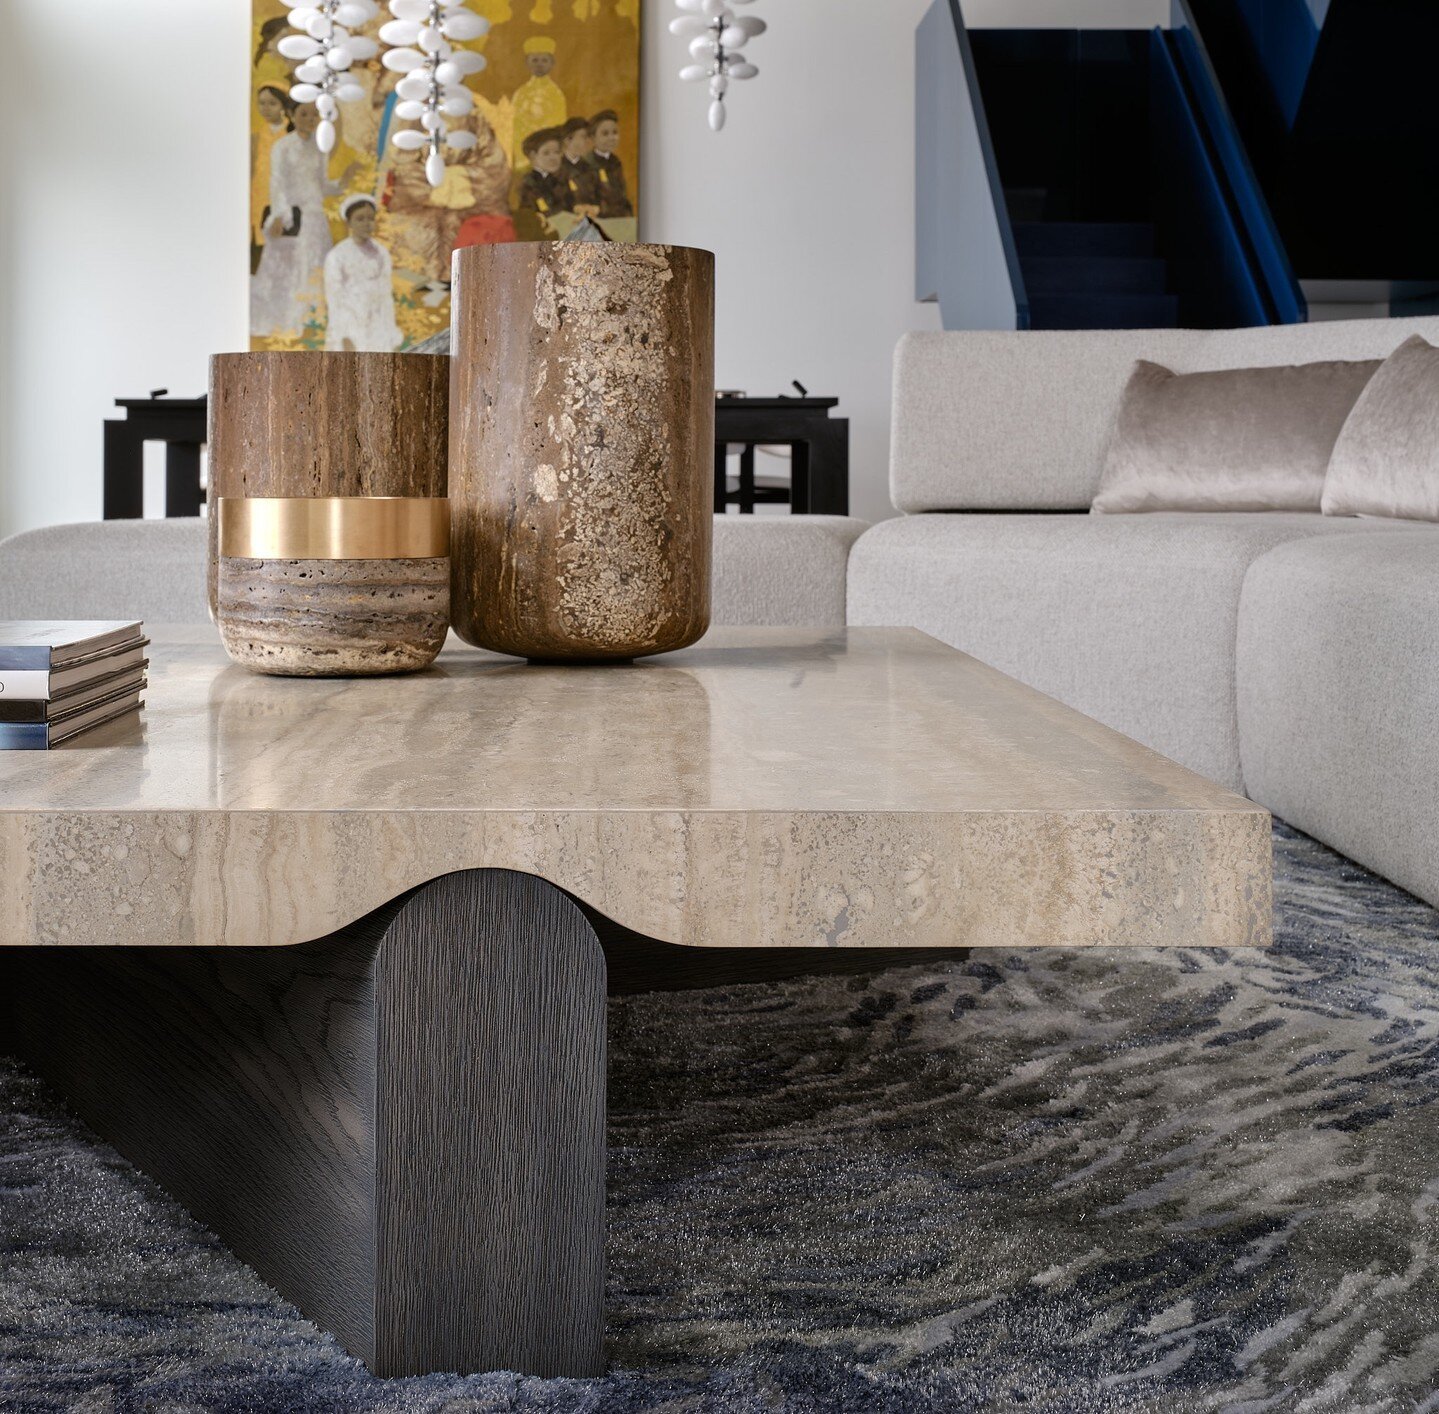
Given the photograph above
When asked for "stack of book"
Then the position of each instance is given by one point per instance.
(58, 679)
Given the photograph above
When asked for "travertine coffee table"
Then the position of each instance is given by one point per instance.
(324, 957)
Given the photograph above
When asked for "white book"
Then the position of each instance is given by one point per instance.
(37, 683)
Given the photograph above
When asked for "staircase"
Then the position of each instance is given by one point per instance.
(1335, 105)
(1069, 115)
(1087, 179)
(1093, 275)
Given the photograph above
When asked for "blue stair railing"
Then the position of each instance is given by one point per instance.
(1266, 250)
(1209, 259)
(965, 255)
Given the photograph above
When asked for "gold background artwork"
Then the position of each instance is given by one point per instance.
(405, 245)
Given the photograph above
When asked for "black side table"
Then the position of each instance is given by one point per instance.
(819, 450)
(180, 424)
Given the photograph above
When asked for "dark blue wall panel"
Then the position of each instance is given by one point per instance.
(1285, 36)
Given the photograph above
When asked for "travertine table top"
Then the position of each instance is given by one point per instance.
(767, 787)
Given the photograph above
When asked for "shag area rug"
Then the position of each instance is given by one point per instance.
(1090, 1181)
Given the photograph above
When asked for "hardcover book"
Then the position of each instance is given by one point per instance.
(51, 643)
(45, 658)
(41, 736)
(129, 680)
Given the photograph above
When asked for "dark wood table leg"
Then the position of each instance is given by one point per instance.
(828, 468)
(183, 494)
(123, 473)
(721, 477)
(799, 477)
(746, 480)
(400, 1126)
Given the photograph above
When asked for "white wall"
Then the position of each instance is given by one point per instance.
(124, 253)
(126, 206)
(807, 200)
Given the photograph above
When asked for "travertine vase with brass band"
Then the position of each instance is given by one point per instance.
(328, 526)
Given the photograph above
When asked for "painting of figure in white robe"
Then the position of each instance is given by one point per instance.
(359, 286)
(297, 232)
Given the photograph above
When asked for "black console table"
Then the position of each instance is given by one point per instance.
(819, 452)
(180, 424)
(819, 462)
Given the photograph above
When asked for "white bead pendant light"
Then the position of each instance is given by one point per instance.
(433, 72)
(326, 47)
(717, 39)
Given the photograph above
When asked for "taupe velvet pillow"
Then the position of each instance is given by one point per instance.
(1239, 439)
(1386, 461)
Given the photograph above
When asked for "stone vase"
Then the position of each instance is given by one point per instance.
(582, 448)
(328, 479)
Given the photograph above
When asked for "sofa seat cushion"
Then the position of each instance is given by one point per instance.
(1338, 696)
(1128, 618)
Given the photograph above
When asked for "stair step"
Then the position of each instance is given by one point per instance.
(1098, 274)
(1084, 238)
(1103, 312)
(1026, 203)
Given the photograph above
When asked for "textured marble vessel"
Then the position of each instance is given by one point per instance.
(360, 592)
(334, 618)
(322, 586)
(582, 448)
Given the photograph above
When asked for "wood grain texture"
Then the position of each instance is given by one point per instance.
(491, 1128)
(401, 1127)
(242, 1080)
(582, 448)
(326, 424)
(320, 618)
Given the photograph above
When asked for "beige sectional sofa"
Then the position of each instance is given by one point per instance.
(768, 570)
(1130, 618)
(1291, 656)
(1338, 696)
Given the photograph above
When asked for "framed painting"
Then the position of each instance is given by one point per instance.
(351, 249)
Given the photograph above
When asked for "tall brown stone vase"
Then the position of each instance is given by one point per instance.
(582, 448)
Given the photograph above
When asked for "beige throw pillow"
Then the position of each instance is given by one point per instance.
(1239, 439)
(1386, 461)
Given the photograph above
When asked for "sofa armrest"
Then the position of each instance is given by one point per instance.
(782, 569)
(152, 570)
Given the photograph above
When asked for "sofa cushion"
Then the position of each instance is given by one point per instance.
(1237, 439)
(1130, 619)
(999, 420)
(782, 569)
(1338, 695)
(1386, 461)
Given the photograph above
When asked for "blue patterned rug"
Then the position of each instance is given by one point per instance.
(1087, 1182)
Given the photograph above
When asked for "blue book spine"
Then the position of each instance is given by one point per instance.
(24, 736)
(24, 656)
